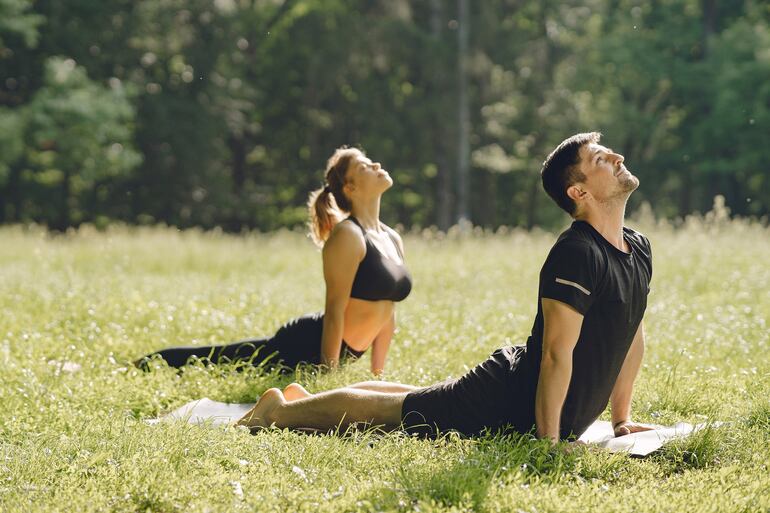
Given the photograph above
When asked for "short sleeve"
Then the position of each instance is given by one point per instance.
(649, 253)
(571, 275)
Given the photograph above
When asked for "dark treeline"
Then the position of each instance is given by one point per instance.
(223, 112)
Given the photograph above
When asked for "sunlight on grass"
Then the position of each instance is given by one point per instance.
(78, 308)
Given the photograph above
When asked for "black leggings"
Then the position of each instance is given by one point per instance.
(297, 341)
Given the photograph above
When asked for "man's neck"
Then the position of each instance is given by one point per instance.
(608, 219)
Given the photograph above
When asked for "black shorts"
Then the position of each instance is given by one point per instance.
(496, 395)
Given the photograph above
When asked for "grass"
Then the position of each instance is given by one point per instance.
(78, 307)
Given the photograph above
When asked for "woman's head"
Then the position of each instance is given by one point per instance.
(329, 204)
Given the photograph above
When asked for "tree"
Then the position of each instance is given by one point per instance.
(16, 20)
(78, 135)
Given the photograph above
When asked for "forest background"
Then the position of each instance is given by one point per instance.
(222, 113)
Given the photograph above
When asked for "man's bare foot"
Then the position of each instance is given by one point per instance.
(261, 415)
(295, 391)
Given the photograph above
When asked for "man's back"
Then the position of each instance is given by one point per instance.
(609, 288)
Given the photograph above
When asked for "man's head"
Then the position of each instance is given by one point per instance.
(581, 172)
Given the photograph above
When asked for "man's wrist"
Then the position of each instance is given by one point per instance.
(616, 425)
(547, 436)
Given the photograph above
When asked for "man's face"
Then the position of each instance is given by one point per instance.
(606, 175)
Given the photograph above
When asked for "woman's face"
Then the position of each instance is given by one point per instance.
(367, 178)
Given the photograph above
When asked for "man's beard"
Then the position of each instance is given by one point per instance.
(628, 182)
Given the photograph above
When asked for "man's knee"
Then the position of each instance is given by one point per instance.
(387, 407)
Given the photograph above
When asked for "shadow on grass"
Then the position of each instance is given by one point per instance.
(161, 388)
(481, 463)
(702, 449)
(760, 417)
(676, 396)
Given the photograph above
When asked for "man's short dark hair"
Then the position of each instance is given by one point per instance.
(560, 170)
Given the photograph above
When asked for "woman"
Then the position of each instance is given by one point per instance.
(364, 271)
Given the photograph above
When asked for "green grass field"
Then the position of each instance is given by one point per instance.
(73, 438)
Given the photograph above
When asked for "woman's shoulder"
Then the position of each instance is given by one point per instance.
(346, 234)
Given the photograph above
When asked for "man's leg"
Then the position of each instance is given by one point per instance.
(469, 404)
(296, 391)
(387, 387)
(326, 410)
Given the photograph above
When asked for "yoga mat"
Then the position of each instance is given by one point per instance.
(207, 412)
(600, 433)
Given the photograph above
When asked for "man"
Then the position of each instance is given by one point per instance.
(586, 345)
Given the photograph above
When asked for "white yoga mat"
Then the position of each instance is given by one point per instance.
(638, 444)
(207, 412)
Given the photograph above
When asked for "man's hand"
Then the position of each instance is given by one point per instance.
(626, 427)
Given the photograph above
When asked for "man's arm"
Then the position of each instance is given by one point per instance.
(620, 400)
(381, 344)
(561, 330)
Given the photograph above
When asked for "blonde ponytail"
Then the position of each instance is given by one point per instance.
(328, 205)
(324, 215)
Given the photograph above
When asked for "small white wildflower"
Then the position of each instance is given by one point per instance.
(299, 472)
(71, 367)
(237, 489)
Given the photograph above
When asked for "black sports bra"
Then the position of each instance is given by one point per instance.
(379, 277)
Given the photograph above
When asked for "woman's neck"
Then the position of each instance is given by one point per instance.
(367, 214)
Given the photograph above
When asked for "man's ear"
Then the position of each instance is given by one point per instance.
(576, 193)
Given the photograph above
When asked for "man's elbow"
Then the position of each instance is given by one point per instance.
(555, 359)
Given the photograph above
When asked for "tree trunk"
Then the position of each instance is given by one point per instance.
(547, 67)
(463, 125)
(484, 213)
(735, 197)
(709, 22)
(238, 162)
(532, 205)
(694, 177)
(685, 201)
(64, 214)
(441, 153)
(3, 195)
(12, 211)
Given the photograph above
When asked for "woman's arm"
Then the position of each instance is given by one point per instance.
(381, 345)
(342, 253)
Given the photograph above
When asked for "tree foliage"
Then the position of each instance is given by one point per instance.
(78, 137)
(225, 112)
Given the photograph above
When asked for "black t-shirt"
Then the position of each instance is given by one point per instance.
(609, 287)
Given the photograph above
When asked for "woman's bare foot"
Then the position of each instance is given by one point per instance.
(295, 391)
(261, 415)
